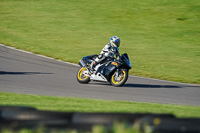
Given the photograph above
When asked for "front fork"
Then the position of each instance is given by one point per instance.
(117, 73)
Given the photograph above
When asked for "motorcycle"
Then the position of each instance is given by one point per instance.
(112, 70)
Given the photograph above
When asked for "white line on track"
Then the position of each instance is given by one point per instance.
(38, 55)
(78, 65)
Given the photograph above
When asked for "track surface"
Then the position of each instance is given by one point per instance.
(27, 73)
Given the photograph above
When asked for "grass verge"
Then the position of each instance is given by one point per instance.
(70, 104)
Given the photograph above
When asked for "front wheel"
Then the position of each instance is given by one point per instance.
(81, 77)
(119, 78)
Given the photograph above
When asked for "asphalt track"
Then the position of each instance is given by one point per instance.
(27, 73)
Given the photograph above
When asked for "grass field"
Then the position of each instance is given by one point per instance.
(161, 37)
(70, 104)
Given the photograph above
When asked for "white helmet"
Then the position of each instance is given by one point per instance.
(115, 41)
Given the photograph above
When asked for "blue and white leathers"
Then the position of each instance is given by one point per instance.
(107, 51)
(110, 50)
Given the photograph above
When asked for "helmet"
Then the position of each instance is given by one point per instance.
(115, 41)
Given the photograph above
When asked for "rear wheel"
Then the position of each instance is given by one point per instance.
(120, 78)
(81, 77)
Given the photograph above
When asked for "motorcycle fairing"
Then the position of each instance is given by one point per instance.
(98, 76)
(106, 70)
(126, 61)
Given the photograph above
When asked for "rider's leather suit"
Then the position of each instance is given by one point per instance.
(106, 52)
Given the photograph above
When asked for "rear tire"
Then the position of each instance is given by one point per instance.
(121, 79)
(81, 78)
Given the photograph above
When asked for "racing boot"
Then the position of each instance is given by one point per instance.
(92, 65)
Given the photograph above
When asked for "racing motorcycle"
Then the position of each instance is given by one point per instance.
(112, 70)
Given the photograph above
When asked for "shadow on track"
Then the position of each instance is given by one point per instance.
(130, 85)
(157, 86)
(150, 86)
(21, 73)
(139, 85)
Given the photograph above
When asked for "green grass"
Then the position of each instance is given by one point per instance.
(70, 104)
(161, 37)
(117, 128)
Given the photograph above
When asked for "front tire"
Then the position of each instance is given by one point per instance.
(81, 77)
(120, 79)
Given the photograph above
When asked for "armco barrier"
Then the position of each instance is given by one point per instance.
(16, 118)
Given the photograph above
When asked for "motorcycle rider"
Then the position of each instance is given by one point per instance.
(110, 50)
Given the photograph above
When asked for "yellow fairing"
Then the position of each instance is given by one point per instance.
(122, 78)
(80, 77)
